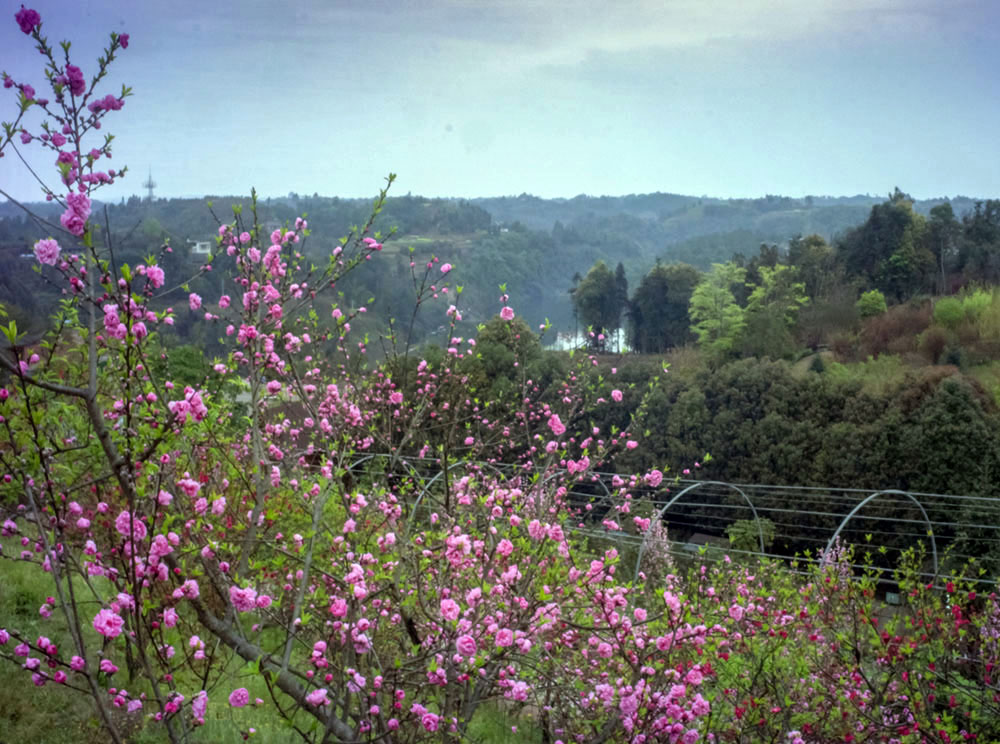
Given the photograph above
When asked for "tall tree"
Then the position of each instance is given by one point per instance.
(979, 252)
(814, 258)
(889, 250)
(771, 312)
(717, 318)
(658, 311)
(597, 302)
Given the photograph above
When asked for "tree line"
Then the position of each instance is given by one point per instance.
(799, 294)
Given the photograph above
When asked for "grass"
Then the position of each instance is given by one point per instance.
(877, 376)
(988, 375)
(495, 724)
(59, 715)
(66, 716)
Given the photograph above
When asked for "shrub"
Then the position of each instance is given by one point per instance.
(895, 330)
(948, 311)
(932, 343)
(975, 303)
(871, 303)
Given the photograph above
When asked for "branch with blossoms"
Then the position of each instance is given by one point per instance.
(386, 553)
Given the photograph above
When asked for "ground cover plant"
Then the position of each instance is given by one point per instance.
(303, 545)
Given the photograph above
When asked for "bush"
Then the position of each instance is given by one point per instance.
(871, 303)
(895, 330)
(932, 343)
(948, 311)
(975, 303)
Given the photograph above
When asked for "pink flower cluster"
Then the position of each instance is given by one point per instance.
(47, 251)
(74, 219)
(244, 600)
(108, 623)
(27, 19)
(192, 406)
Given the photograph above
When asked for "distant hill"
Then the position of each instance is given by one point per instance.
(534, 245)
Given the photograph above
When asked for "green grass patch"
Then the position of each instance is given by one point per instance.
(877, 376)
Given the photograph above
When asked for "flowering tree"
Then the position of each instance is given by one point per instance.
(376, 551)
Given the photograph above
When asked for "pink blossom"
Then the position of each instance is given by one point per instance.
(507, 313)
(27, 19)
(47, 251)
(466, 645)
(74, 219)
(556, 425)
(244, 600)
(505, 637)
(239, 697)
(616, 396)
(450, 609)
(77, 83)
(536, 529)
(155, 275)
(199, 705)
(194, 301)
(445, 268)
(108, 623)
(317, 697)
(125, 521)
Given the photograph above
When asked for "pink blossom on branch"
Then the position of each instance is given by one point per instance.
(28, 19)
(47, 251)
(108, 623)
(239, 697)
(74, 219)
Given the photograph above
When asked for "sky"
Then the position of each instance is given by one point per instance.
(465, 98)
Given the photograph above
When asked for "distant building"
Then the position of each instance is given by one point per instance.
(201, 249)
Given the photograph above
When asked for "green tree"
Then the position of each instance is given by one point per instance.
(889, 250)
(979, 249)
(598, 303)
(772, 311)
(943, 233)
(717, 319)
(814, 258)
(658, 311)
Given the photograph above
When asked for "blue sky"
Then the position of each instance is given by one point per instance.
(469, 98)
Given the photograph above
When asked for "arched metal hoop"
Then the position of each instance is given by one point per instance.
(889, 492)
(427, 487)
(682, 494)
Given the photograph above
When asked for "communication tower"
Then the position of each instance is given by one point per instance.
(149, 185)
